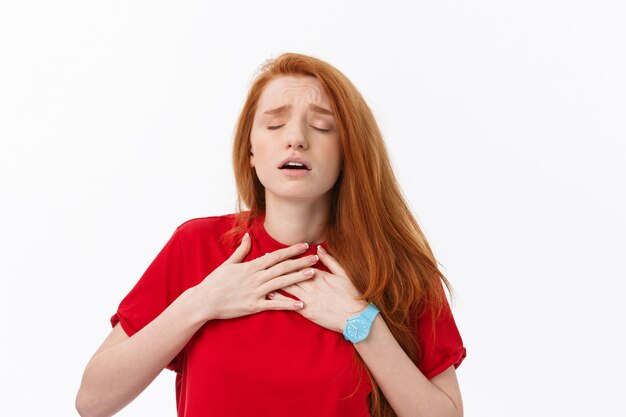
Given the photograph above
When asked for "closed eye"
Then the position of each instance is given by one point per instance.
(319, 129)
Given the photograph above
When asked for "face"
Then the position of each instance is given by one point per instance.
(294, 122)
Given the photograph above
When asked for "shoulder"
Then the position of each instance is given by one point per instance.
(202, 224)
(203, 227)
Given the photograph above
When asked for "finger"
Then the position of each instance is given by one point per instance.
(287, 280)
(275, 295)
(293, 289)
(241, 251)
(329, 261)
(289, 266)
(289, 304)
(279, 255)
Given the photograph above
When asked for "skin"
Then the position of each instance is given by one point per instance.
(297, 209)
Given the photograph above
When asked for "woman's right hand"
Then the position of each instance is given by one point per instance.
(237, 288)
(123, 367)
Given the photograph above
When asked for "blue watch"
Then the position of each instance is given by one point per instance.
(358, 328)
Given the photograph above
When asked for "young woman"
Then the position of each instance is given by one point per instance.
(322, 298)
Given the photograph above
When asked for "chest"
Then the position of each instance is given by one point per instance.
(275, 357)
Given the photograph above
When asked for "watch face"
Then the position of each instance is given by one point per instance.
(357, 329)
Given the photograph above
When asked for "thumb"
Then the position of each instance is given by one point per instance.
(241, 251)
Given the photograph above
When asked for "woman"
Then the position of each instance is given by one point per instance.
(322, 299)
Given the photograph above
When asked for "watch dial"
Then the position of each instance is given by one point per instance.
(356, 328)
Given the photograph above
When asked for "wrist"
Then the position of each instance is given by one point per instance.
(357, 328)
(197, 307)
(347, 314)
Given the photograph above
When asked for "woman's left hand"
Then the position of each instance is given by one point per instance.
(329, 298)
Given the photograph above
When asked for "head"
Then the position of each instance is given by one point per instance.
(293, 121)
(352, 148)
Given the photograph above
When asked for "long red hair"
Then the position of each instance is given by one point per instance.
(371, 230)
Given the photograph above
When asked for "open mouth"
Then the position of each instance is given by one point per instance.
(296, 166)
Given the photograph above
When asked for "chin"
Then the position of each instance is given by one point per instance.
(299, 197)
(296, 195)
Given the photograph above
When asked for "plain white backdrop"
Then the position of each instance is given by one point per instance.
(504, 121)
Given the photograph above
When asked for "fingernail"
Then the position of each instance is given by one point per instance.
(321, 249)
(309, 272)
(303, 246)
(298, 304)
(313, 258)
(270, 295)
(246, 236)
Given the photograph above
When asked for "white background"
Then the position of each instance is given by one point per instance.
(505, 123)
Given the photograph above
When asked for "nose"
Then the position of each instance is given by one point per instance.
(296, 137)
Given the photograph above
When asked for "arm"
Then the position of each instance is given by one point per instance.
(124, 366)
(331, 298)
(408, 391)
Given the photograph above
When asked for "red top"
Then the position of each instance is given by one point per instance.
(273, 363)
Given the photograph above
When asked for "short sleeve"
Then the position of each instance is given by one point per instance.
(157, 288)
(441, 345)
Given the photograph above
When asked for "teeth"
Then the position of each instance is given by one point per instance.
(294, 164)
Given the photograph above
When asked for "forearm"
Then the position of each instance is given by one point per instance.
(118, 374)
(408, 391)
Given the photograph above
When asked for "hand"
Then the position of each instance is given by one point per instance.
(237, 288)
(329, 298)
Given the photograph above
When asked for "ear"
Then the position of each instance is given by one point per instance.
(251, 159)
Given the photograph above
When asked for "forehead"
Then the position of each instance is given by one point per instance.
(290, 89)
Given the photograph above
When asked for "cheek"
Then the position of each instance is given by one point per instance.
(262, 160)
(257, 148)
(331, 156)
(335, 155)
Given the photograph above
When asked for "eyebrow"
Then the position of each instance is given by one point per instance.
(313, 107)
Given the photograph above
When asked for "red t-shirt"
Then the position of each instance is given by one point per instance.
(273, 363)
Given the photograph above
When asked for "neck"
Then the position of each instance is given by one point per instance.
(291, 222)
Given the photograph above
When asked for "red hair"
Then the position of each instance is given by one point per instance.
(371, 231)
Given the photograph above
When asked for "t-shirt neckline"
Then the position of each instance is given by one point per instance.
(269, 243)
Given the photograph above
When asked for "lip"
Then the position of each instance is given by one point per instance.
(295, 172)
(295, 159)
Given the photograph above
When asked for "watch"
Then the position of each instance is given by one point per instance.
(358, 328)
